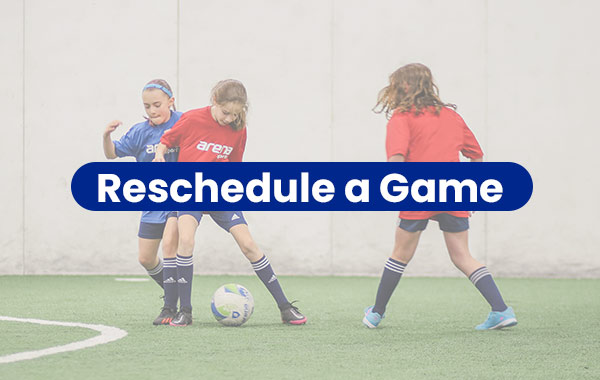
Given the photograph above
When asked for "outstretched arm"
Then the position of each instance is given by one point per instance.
(107, 143)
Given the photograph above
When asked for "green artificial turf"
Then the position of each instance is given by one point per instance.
(427, 333)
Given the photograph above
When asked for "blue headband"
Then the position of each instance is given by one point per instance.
(162, 88)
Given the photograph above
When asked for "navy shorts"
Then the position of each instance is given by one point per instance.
(154, 230)
(225, 219)
(448, 223)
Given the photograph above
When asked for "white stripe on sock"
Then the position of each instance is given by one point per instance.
(156, 269)
(394, 267)
(475, 277)
(262, 264)
(185, 261)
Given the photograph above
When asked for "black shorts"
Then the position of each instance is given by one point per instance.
(154, 230)
(447, 222)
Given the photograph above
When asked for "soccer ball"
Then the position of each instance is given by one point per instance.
(232, 305)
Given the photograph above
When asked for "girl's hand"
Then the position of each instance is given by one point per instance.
(158, 158)
(110, 128)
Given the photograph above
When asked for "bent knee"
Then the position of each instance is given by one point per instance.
(169, 247)
(146, 261)
(459, 257)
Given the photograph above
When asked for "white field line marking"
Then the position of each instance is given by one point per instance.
(107, 334)
(132, 279)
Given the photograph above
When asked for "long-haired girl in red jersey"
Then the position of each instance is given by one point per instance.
(422, 128)
(216, 133)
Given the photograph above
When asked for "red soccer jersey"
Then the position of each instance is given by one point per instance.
(430, 138)
(201, 139)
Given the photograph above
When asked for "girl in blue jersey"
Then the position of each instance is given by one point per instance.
(140, 142)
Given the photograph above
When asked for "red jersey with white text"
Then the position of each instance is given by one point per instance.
(430, 138)
(201, 139)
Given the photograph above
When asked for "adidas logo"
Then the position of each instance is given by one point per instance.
(273, 278)
(235, 217)
(169, 280)
(182, 281)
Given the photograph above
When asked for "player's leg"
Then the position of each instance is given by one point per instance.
(187, 224)
(169, 250)
(406, 240)
(456, 235)
(149, 236)
(457, 244)
(235, 223)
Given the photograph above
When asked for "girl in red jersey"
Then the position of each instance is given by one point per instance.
(422, 128)
(216, 133)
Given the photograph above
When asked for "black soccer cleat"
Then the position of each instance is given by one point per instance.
(291, 315)
(183, 318)
(165, 317)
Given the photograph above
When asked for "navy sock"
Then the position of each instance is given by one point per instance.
(185, 274)
(483, 281)
(170, 282)
(389, 280)
(157, 273)
(264, 271)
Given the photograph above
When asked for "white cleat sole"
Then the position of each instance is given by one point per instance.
(368, 324)
(505, 323)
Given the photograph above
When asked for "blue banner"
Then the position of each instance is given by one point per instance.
(302, 186)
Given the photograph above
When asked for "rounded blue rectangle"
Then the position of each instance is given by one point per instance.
(302, 186)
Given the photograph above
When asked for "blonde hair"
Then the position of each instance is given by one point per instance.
(411, 89)
(232, 91)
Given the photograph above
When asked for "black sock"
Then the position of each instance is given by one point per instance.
(264, 271)
(483, 281)
(170, 282)
(185, 275)
(157, 273)
(389, 280)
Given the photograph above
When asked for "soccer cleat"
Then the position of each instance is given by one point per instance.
(183, 318)
(372, 319)
(498, 320)
(166, 315)
(291, 315)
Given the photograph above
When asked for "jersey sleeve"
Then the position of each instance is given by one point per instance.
(172, 137)
(128, 144)
(470, 147)
(240, 147)
(397, 136)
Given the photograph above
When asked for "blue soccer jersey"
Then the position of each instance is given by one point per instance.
(140, 141)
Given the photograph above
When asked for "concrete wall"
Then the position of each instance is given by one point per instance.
(524, 75)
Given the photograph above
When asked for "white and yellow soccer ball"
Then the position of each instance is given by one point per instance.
(232, 305)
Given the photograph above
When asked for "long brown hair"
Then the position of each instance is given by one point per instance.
(232, 91)
(411, 89)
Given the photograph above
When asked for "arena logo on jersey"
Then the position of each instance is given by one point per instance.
(223, 151)
(151, 149)
(302, 186)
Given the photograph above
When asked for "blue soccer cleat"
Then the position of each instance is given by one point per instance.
(498, 320)
(371, 319)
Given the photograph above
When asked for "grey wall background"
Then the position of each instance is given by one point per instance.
(523, 73)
